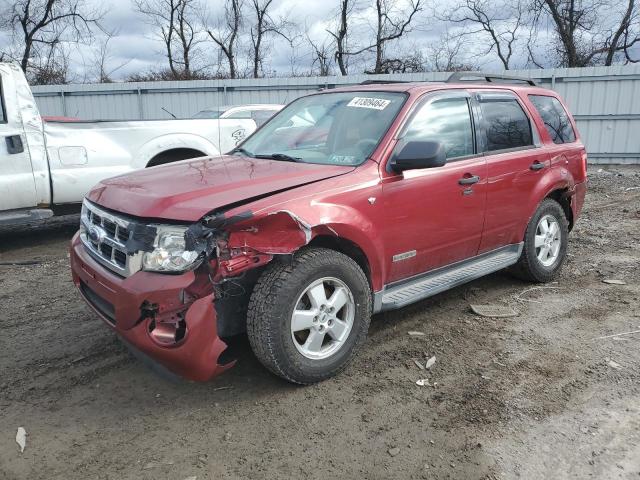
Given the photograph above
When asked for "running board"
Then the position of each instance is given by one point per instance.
(14, 217)
(425, 285)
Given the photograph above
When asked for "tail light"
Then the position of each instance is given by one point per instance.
(584, 164)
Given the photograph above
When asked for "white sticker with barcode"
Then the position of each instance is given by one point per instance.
(366, 102)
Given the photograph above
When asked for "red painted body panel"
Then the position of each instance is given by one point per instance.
(429, 212)
(189, 189)
(195, 358)
(379, 212)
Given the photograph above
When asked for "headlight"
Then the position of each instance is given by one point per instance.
(170, 254)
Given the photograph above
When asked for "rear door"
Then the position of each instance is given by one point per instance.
(434, 216)
(515, 163)
(17, 185)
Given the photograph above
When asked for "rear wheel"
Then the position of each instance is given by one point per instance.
(545, 244)
(307, 318)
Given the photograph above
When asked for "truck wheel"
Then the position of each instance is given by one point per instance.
(307, 317)
(545, 244)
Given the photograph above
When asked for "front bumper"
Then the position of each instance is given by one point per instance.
(123, 303)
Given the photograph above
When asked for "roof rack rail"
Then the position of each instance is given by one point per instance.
(488, 77)
(382, 82)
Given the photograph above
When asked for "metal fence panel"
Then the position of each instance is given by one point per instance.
(604, 100)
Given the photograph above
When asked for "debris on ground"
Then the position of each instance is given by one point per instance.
(518, 296)
(423, 382)
(416, 334)
(495, 311)
(618, 334)
(418, 363)
(21, 438)
(430, 362)
(394, 451)
(613, 281)
(150, 465)
(227, 436)
(615, 365)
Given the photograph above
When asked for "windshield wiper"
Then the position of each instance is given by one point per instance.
(279, 156)
(243, 151)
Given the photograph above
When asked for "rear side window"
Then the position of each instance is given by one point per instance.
(261, 116)
(555, 118)
(447, 121)
(507, 126)
(240, 115)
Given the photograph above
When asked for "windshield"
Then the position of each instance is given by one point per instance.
(330, 128)
(208, 114)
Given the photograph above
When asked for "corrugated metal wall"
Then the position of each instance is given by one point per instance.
(604, 100)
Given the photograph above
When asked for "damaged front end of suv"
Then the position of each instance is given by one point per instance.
(170, 256)
(178, 318)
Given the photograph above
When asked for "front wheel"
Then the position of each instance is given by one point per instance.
(545, 244)
(307, 318)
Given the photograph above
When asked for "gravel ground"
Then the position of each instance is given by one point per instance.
(533, 396)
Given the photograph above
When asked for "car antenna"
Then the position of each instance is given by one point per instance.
(169, 113)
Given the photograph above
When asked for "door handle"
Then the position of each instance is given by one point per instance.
(469, 180)
(535, 166)
(14, 144)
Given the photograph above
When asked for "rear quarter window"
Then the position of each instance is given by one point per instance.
(555, 118)
(506, 124)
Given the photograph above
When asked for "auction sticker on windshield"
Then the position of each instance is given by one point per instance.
(365, 102)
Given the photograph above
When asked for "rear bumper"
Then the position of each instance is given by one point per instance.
(577, 200)
(118, 302)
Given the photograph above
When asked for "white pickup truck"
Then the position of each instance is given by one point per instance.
(47, 167)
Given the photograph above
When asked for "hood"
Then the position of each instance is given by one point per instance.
(188, 190)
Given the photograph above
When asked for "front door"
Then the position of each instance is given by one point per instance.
(17, 185)
(434, 216)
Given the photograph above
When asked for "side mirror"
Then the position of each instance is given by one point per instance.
(415, 154)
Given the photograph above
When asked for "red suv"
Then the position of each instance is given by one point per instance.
(346, 203)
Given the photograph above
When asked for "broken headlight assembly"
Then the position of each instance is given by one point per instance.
(169, 253)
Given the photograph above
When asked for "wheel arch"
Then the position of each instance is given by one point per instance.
(170, 142)
(174, 155)
(561, 195)
(348, 248)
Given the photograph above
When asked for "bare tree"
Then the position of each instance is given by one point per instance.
(447, 55)
(175, 22)
(40, 27)
(392, 22)
(501, 23)
(320, 57)
(227, 36)
(589, 32)
(341, 33)
(263, 25)
(101, 71)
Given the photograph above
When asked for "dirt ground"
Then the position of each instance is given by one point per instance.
(533, 396)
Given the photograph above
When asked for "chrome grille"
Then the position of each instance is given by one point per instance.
(104, 236)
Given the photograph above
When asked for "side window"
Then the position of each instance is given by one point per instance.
(3, 114)
(261, 116)
(555, 118)
(506, 124)
(447, 121)
(241, 115)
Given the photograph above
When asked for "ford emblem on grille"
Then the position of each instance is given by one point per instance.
(97, 234)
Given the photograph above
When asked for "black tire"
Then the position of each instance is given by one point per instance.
(273, 301)
(531, 269)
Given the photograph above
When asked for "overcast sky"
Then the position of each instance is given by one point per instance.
(135, 48)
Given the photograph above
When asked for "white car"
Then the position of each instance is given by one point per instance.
(259, 113)
(49, 166)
